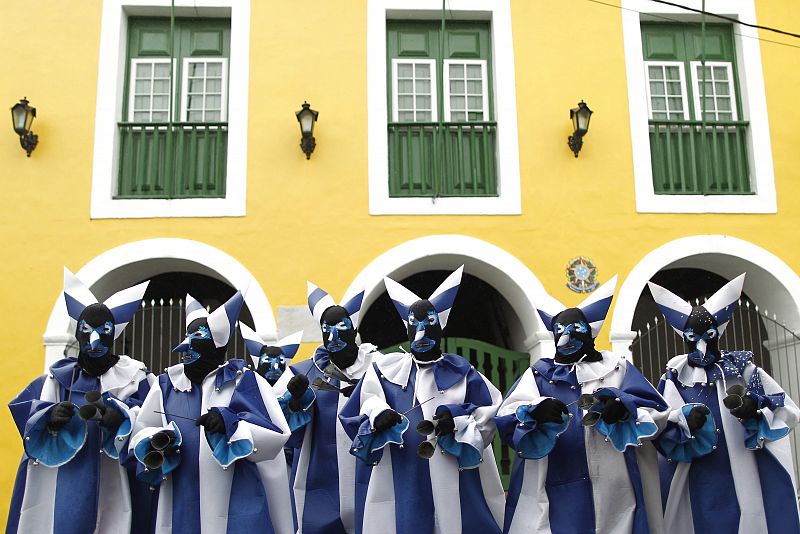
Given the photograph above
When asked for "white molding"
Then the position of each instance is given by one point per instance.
(770, 282)
(185, 86)
(127, 264)
(495, 266)
(754, 108)
(484, 87)
(696, 88)
(498, 12)
(110, 83)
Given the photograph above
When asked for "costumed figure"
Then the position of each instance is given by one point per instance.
(270, 362)
(407, 407)
(580, 423)
(728, 462)
(204, 428)
(323, 473)
(75, 420)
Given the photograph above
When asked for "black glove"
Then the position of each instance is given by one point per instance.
(613, 411)
(550, 411)
(386, 420)
(112, 418)
(444, 423)
(748, 409)
(697, 417)
(347, 390)
(60, 416)
(298, 385)
(212, 421)
(295, 405)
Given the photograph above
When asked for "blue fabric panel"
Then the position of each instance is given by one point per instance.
(778, 494)
(468, 456)
(640, 525)
(185, 478)
(56, 449)
(514, 489)
(444, 301)
(675, 445)
(597, 311)
(476, 518)
(449, 371)
(247, 508)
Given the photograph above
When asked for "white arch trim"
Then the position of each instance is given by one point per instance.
(131, 262)
(770, 281)
(493, 265)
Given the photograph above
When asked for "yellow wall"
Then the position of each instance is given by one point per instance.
(315, 51)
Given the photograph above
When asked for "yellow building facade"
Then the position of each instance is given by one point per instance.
(333, 218)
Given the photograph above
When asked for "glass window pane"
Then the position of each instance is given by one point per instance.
(707, 88)
(475, 102)
(213, 116)
(406, 116)
(142, 87)
(725, 116)
(162, 70)
(721, 88)
(405, 102)
(720, 73)
(423, 102)
(214, 69)
(654, 73)
(659, 116)
(195, 102)
(456, 70)
(424, 116)
(160, 102)
(675, 104)
(161, 87)
(708, 103)
(724, 104)
(656, 88)
(458, 116)
(710, 116)
(404, 70)
(141, 102)
(144, 70)
(674, 88)
(196, 86)
(196, 69)
(423, 86)
(195, 116)
(457, 86)
(457, 102)
(673, 73)
(474, 72)
(213, 102)
(422, 70)
(476, 115)
(659, 104)
(141, 116)
(214, 85)
(405, 86)
(474, 87)
(160, 116)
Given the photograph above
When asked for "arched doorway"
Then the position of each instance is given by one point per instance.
(131, 263)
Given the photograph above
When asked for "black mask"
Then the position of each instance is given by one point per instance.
(424, 331)
(271, 364)
(95, 335)
(573, 337)
(201, 356)
(701, 337)
(339, 336)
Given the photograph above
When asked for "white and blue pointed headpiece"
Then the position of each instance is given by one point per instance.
(319, 301)
(289, 345)
(720, 305)
(594, 307)
(221, 322)
(122, 304)
(442, 298)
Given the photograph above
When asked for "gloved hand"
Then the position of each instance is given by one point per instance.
(347, 390)
(444, 423)
(697, 417)
(613, 411)
(60, 416)
(550, 411)
(386, 420)
(298, 385)
(112, 418)
(748, 409)
(212, 421)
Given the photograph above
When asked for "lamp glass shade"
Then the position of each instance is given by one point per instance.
(580, 118)
(306, 119)
(22, 117)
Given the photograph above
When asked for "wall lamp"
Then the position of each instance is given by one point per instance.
(580, 117)
(307, 117)
(22, 116)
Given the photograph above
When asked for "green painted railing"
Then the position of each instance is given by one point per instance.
(691, 159)
(186, 160)
(502, 367)
(428, 159)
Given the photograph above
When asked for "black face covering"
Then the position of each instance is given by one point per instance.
(571, 322)
(339, 336)
(424, 331)
(272, 364)
(210, 357)
(701, 337)
(94, 356)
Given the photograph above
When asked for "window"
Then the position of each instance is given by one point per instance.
(173, 142)
(697, 143)
(442, 137)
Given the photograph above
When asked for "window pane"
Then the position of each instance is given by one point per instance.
(162, 70)
(475, 115)
(457, 86)
(474, 71)
(474, 87)
(675, 104)
(656, 88)
(196, 86)
(405, 86)
(659, 116)
(475, 102)
(674, 88)
(458, 116)
(196, 102)
(160, 102)
(404, 70)
(720, 73)
(214, 85)
(721, 88)
(160, 116)
(405, 102)
(141, 102)
(708, 103)
(673, 73)
(659, 104)
(214, 69)
(724, 104)
(456, 70)
(142, 87)
(406, 116)
(423, 86)
(654, 73)
(161, 87)
(725, 116)
(196, 69)
(195, 116)
(144, 70)
(213, 116)
(422, 70)
(141, 116)
(213, 102)
(457, 102)
(424, 116)
(423, 102)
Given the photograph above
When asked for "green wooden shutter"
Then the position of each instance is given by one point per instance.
(437, 157)
(687, 157)
(160, 158)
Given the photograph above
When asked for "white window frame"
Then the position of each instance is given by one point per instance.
(110, 96)
(185, 85)
(413, 61)
(754, 109)
(684, 96)
(132, 82)
(484, 87)
(696, 88)
(498, 14)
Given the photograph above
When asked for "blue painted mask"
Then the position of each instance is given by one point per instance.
(573, 337)
(198, 341)
(701, 337)
(95, 333)
(570, 338)
(424, 331)
(271, 364)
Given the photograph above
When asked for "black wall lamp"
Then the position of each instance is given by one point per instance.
(580, 117)
(22, 116)
(307, 117)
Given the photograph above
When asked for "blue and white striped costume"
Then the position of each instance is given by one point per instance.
(403, 493)
(216, 488)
